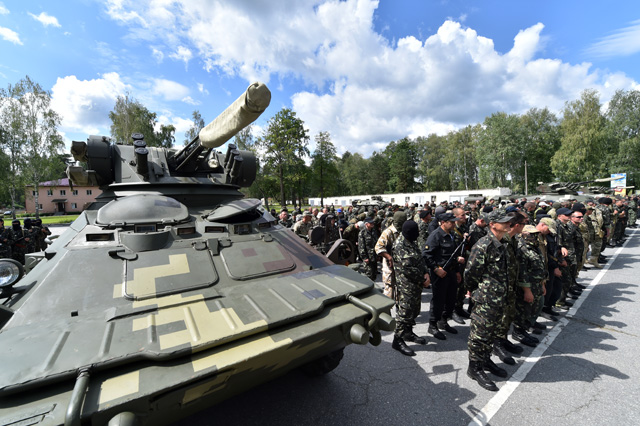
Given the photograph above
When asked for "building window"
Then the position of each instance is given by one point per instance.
(40, 206)
(74, 206)
(393, 200)
(63, 192)
(50, 192)
(88, 192)
(407, 199)
(33, 193)
(74, 192)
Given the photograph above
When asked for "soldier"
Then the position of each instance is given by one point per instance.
(460, 233)
(411, 276)
(597, 223)
(351, 232)
(302, 227)
(6, 240)
(633, 214)
(367, 239)
(531, 278)
(21, 240)
(423, 227)
(487, 270)
(567, 254)
(42, 233)
(440, 256)
(284, 219)
(384, 248)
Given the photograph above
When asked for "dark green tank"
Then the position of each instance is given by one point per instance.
(171, 292)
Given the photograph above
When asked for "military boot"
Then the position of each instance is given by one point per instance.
(501, 352)
(444, 325)
(476, 372)
(400, 346)
(491, 367)
(410, 336)
(433, 329)
(514, 349)
(523, 337)
(457, 318)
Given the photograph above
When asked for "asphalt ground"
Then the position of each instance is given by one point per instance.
(586, 370)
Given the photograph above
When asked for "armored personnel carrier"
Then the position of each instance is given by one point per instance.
(172, 292)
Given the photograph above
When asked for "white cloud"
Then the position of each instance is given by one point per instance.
(189, 100)
(360, 86)
(46, 19)
(182, 54)
(202, 89)
(10, 35)
(85, 104)
(3, 9)
(623, 42)
(169, 90)
(157, 55)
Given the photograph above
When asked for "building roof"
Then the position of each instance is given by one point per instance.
(58, 182)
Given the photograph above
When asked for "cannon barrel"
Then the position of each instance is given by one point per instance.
(244, 111)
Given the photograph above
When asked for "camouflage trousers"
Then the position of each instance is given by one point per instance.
(632, 217)
(388, 279)
(408, 299)
(486, 320)
(370, 270)
(18, 254)
(526, 313)
(596, 246)
(569, 273)
(508, 314)
(5, 251)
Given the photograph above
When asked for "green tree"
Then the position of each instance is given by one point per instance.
(377, 173)
(130, 116)
(402, 165)
(194, 130)
(353, 169)
(432, 169)
(500, 152)
(33, 130)
(542, 138)
(623, 134)
(583, 140)
(284, 142)
(244, 139)
(323, 166)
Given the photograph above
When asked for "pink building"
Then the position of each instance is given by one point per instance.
(57, 196)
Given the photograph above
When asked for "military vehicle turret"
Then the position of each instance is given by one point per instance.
(171, 292)
(554, 191)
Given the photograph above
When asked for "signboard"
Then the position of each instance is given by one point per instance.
(620, 181)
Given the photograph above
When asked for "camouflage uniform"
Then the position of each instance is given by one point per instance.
(351, 233)
(410, 269)
(475, 234)
(286, 223)
(423, 233)
(532, 274)
(566, 239)
(509, 311)
(633, 216)
(302, 229)
(20, 244)
(597, 222)
(385, 245)
(487, 270)
(606, 221)
(366, 248)
(6, 240)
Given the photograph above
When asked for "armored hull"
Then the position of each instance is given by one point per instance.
(169, 295)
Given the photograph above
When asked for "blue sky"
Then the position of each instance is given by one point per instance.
(366, 71)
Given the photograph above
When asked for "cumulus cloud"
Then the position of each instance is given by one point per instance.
(169, 90)
(360, 86)
(623, 42)
(85, 104)
(46, 19)
(3, 9)
(10, 35)
(157, 54)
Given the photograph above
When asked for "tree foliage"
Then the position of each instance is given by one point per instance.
(130, 116)
(285, 143)
(324, 170)
(194, 130)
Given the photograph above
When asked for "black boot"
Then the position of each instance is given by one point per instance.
(443, 325)
(400, 346)
(433, 329)
(523, 337)
(491, 367)
(410, 336)
(501, 352)
(514, 349)
(463, 314)
(476, 372)
(457, 318)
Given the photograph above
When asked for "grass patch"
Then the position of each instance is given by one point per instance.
(52, 220)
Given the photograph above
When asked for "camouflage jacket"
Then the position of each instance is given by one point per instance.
(513, 267)
(386, 241)
(606, 215)
(531, 262)
(578, 242)
(367, 243)
(487, 269)
(302, 229)
(351, 233)
(475, 233)
(286, 223)
(423, 233)
(408, 263)
(566, 239)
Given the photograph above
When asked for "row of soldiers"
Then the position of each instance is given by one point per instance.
(518, 260)
(18, 241)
